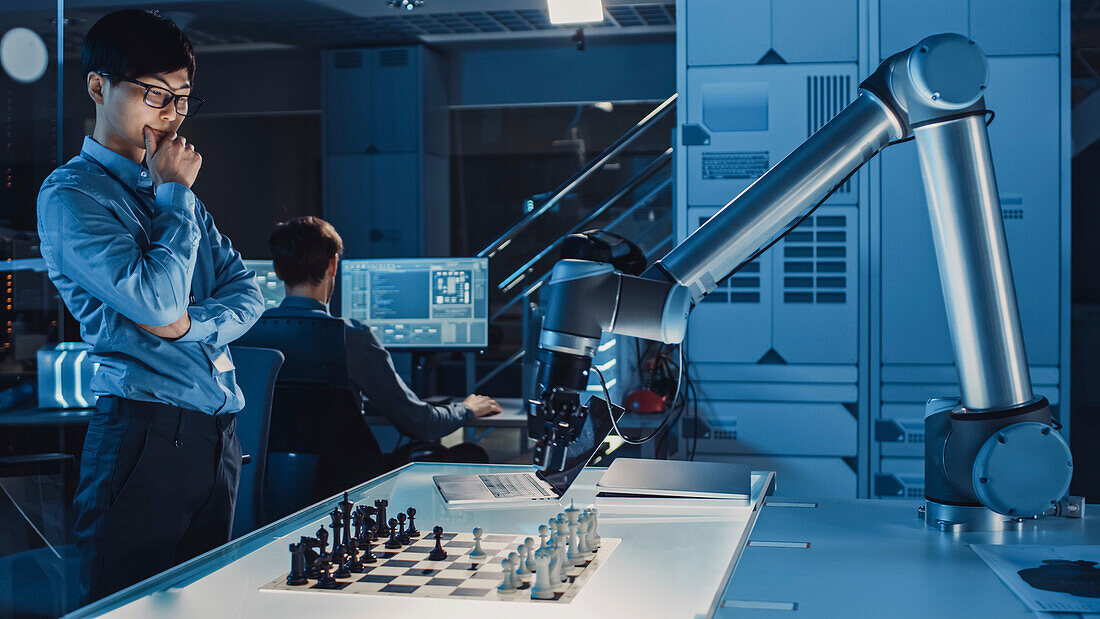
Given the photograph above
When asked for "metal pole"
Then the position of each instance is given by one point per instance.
(578, 177)
(975, 272)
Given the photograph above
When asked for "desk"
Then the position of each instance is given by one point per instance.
(673, 561)
(512, 415)
(874, 558)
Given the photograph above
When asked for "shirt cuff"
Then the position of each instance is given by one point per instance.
(201, 326)
(175, 195)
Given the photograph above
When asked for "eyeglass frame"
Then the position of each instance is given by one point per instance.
(173, 100)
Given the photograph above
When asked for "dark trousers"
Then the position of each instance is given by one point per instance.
(158, 484)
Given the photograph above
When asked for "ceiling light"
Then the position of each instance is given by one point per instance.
(575, 11)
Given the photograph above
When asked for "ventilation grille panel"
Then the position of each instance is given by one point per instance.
(394, 58)
(815, 261)
(826, 96)
(347, 60)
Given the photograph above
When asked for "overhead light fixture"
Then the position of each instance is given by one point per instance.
(575, 11)
(406, 5)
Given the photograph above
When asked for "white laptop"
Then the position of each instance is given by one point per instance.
(537, 485)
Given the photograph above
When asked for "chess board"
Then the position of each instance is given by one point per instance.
(408, 572)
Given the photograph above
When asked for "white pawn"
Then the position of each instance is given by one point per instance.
(529, 544)
(544, 534)
(517, 582)
(521, 564)
(478, 555)
(543, 587)
(507, 582)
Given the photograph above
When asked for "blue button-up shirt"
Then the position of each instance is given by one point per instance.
(121, 255)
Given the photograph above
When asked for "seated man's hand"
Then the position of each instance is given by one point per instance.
(481, 405)
(174, 331)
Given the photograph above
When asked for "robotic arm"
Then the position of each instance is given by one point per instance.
(993, 450)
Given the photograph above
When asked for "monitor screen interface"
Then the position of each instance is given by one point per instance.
(419, 302)
(270, 286)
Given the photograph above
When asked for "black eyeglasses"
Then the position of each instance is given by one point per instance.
(159, 98)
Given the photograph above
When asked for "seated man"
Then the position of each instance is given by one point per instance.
(306, 252)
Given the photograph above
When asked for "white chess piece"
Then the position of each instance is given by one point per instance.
(557, 570)
(521, 563)
(544, 534)
(563, 543)
(543, 587)
(593, 535)
(478, 554)
(507, 582)
(529, 544)
(517, 580)
(582, 535)
(575, 556)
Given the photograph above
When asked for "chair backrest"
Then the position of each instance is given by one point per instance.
(256, 372)
(316, 409)
(313, 348)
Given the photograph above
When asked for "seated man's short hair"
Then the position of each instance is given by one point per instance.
(302, 248)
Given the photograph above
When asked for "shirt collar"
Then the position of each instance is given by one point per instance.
(129, 172)
(293, 302)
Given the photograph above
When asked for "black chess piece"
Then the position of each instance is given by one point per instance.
(337, 517)
(339, 559)
(411, 531)
(308, 544)
(402, 536)
(322, 538)
(393, 542)
(381, 505)
(437, 554)
(297, 576)
(325, 579)
(370, 525)
(354, 563)
(345, 511)
(368, 556)
(357, 523)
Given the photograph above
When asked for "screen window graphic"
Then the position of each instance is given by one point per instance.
(419, 302)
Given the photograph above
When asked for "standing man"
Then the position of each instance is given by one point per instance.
(159, 294)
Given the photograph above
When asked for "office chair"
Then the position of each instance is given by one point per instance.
(317, 426)
(256, 372)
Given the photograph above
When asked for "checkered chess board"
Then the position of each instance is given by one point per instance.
(408, 572)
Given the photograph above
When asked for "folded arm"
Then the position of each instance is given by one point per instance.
(235, 303)
(87, 243)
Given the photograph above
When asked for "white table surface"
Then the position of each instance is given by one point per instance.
(674, 561)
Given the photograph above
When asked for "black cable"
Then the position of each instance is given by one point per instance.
(614, 423)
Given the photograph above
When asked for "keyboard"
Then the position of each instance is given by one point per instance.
(513, 486)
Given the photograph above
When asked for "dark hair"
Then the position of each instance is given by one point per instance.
(302, 247)
(134, 42)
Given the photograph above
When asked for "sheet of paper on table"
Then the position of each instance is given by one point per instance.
(1048, 578)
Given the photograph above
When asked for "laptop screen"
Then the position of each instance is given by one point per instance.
(597, 425)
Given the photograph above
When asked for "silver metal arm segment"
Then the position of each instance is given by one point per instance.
(933, 93)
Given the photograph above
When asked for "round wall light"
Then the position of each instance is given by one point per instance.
(23, 55)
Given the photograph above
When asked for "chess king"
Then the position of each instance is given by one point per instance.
(159, 294)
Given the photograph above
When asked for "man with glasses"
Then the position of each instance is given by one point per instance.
(159, 294)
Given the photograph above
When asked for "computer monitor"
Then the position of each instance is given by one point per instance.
(419, 303)
(270, 286)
